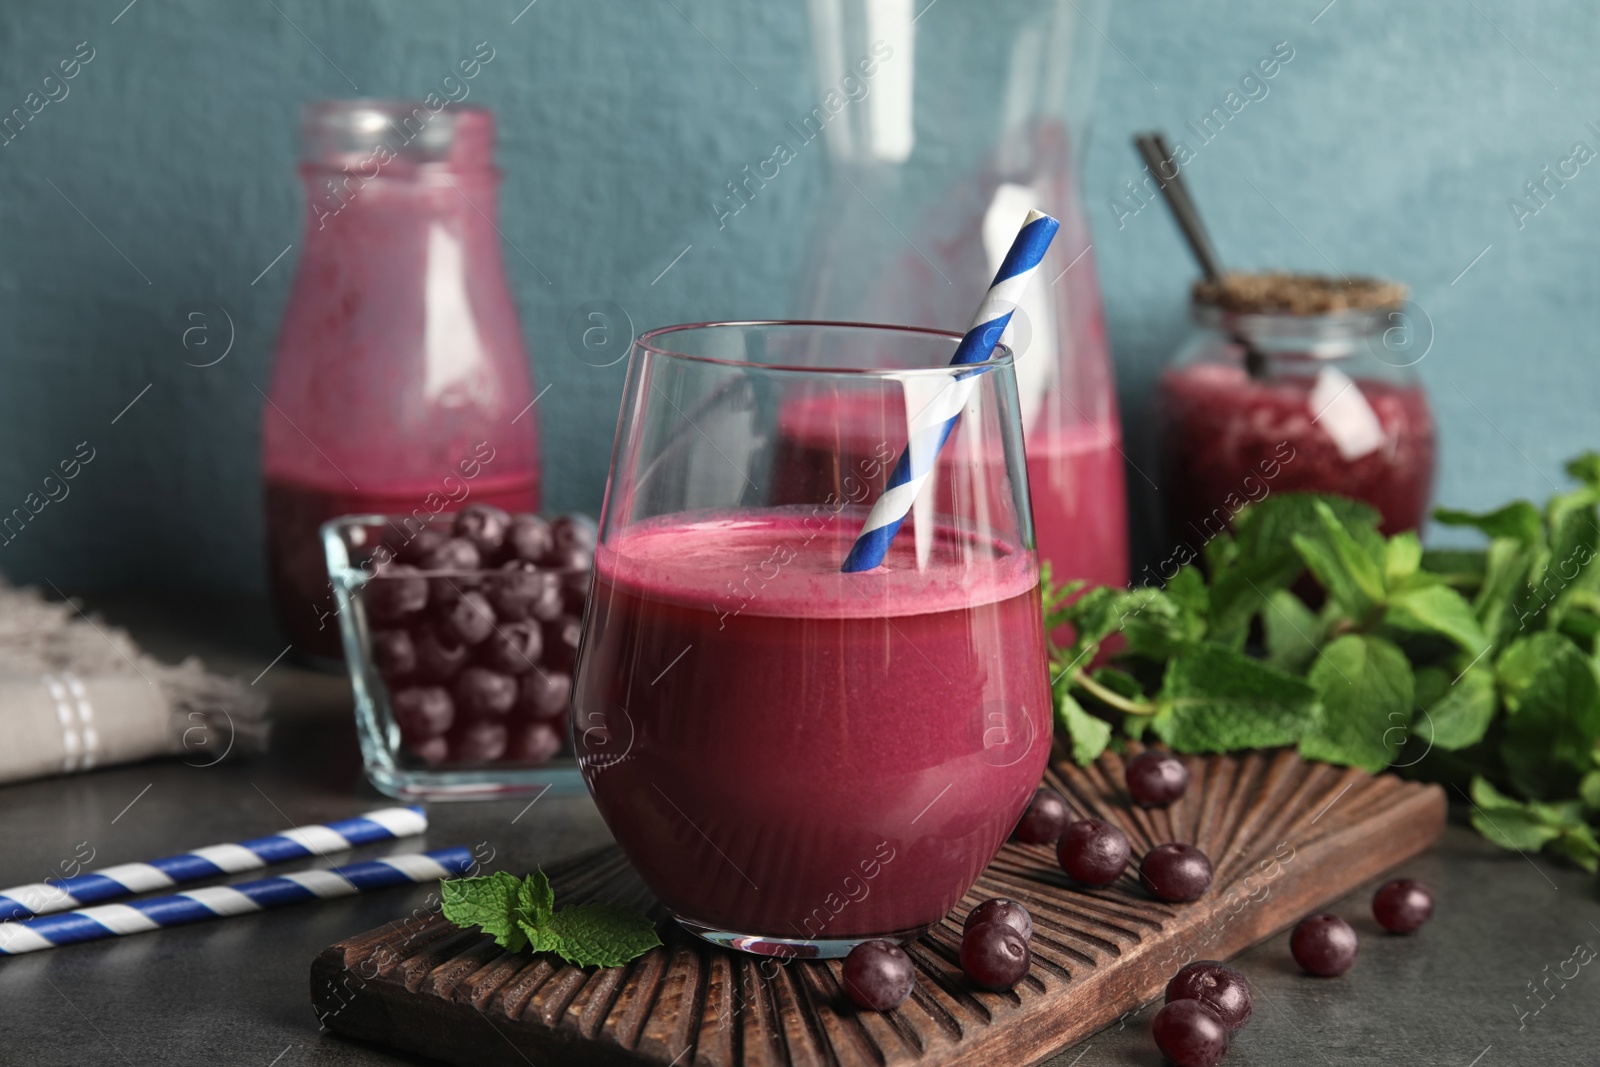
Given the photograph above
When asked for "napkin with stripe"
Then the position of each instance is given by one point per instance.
(76, 694)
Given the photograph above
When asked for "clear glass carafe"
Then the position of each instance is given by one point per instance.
(942, 126)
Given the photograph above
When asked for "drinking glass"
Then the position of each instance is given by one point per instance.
(798, 759)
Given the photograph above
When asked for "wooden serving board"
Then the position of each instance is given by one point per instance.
(1285, 836)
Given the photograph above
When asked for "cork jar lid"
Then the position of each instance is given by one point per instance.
(1283, 293)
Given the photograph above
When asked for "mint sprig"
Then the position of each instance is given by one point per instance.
(519, 913)
(1462, 666)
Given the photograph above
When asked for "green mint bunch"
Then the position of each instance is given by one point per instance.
(1475, 668)
(519, 913)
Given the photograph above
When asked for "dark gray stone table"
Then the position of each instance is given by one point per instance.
(235, 991)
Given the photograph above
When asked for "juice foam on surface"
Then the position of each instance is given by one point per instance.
(785, 562)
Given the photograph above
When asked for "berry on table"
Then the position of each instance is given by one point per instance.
(1093, 852)
(1175, 872)
(1190, 1034)
(878, 975)
(1002, 910)
(1155, 778)
(1046, 817)
(1217, 986)
(1324, 945)
(1402, 906)
(994, 955)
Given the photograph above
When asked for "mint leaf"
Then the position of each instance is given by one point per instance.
(1589, 790)
(1574, 538)
(1221, 553)
(1097, 613)
(1160, 627)
(490, 903)
(1437, 609)
(1518, 520)
(1214, 699)
(1456, 713)
(1055, 597)
(1402, 557)
(1570, 519)
(1506, 565)
(1585, 468)
(1089, 735)
(1552, 698)
(1262, 558)
(1461, 568)
(1528, 826)
(601, 935)
(1580, 618)
(1506, 822)
(536, 899)
(519, 913)
(1347, 562)
(1292, 631)
(1366, 687)
(1188, 590)
(1119, 682)
(1577, 841)
(540, 938)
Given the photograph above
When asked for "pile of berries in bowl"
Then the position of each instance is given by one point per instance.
(461, 635)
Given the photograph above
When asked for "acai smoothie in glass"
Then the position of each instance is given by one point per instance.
(796, 757)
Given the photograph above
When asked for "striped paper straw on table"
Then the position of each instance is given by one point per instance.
(126, 879)
(931, 426)
(217, 901)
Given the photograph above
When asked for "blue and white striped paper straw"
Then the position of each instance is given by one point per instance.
(217, 901)
(931, 427)
(126, 879)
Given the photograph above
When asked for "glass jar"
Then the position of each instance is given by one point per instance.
(400, 383)
(461, 672)
(1329, 403)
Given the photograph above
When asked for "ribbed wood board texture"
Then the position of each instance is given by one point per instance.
(1285, 836)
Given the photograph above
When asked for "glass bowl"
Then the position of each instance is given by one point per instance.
(462, 675)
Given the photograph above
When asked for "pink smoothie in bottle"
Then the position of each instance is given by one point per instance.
(1080, 511)
(793, 753)
(1074, 477)
(400, 384)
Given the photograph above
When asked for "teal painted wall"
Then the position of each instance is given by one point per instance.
(162, 185)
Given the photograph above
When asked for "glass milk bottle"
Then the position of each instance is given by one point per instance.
(400, 382)
(942, 126)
